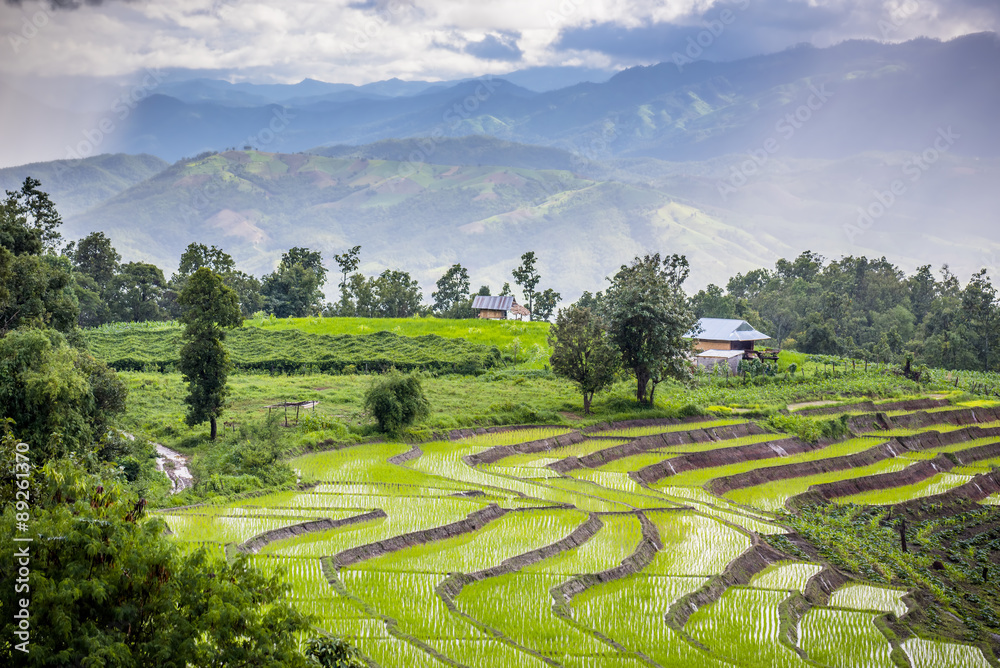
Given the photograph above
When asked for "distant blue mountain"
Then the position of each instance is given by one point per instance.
(804, 102)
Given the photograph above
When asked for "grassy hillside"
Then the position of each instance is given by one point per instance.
(77, 185)
(293, 351)
(419, 217)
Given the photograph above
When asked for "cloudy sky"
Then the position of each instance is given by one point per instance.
(358, 41)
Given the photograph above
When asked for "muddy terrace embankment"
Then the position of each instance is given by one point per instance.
(872, 407)
(530, 447)
(656, 441)
(722, 457)
(893, 448)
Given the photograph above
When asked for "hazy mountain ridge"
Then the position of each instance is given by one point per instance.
(78, 185)
(423, 217)
(871, 97)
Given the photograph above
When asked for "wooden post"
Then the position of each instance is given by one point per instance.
(902, 534)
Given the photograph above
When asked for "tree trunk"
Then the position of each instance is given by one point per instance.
(641, 380)
(587, 398)
(215, 428)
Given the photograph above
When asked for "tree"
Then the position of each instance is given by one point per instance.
(451, 300)
(527, 278)
(396, 401)
(108, 587)
(136, 293)
(294, 288)
(36, 285)
(196, 256)
(60, 399)
(208, 308)
(648, 316)
(505, 291)
(397, 295)
(583, 352)
(95, 257)
(348, 261)
(545, 304)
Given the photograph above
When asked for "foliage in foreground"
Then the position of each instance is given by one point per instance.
(950, 558)
(108, 588)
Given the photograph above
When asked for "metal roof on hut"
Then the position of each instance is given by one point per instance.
(492, 303)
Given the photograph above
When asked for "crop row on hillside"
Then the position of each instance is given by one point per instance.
(285, 351)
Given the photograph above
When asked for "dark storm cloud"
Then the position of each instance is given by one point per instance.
(500, 46)
(756, 27)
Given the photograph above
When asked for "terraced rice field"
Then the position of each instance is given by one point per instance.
(428, 558)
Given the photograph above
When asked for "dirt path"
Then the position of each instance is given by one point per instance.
(174, 465)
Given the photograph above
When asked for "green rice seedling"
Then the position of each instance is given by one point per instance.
(931, 654)
(410, 599)
(304, 575)
(856, 596)
(772, 496)
(982, 466)
(444, 459)
(622, 499)
(363, 464)
(965, 445)
(694, 545)
(485, 653)
(201, 528)
(506, 537)
(844, 639)
(938, 484)
(630, 611)
(635, 432)
(520, 607)
(745, 625)
(786, 576)
(635, 462)
(616, 540)
(513, 436)
(581, 449)
(396, 652)
(404, 515)
(991, 500)
(700, 477)
(703, 498)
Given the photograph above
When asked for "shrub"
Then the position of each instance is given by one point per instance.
(396, 401)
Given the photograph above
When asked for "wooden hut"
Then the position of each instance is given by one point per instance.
(498, 308)
(725, 334)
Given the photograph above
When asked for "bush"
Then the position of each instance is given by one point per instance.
(396, 401)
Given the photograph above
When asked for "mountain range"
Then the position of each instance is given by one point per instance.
(862, 148)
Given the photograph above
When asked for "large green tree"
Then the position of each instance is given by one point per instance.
(648, 315)
(136, 293)
(36, 285)
(208, 308)
(451, 299)
(583, 352)
(527, 278)
(107, 587)
(294, 289)
(196, 256)
(397, 294)
(60, 399)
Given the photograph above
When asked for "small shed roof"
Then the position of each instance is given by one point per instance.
(725, 329)
(517, 309)
(728, 354)
(492, 303)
